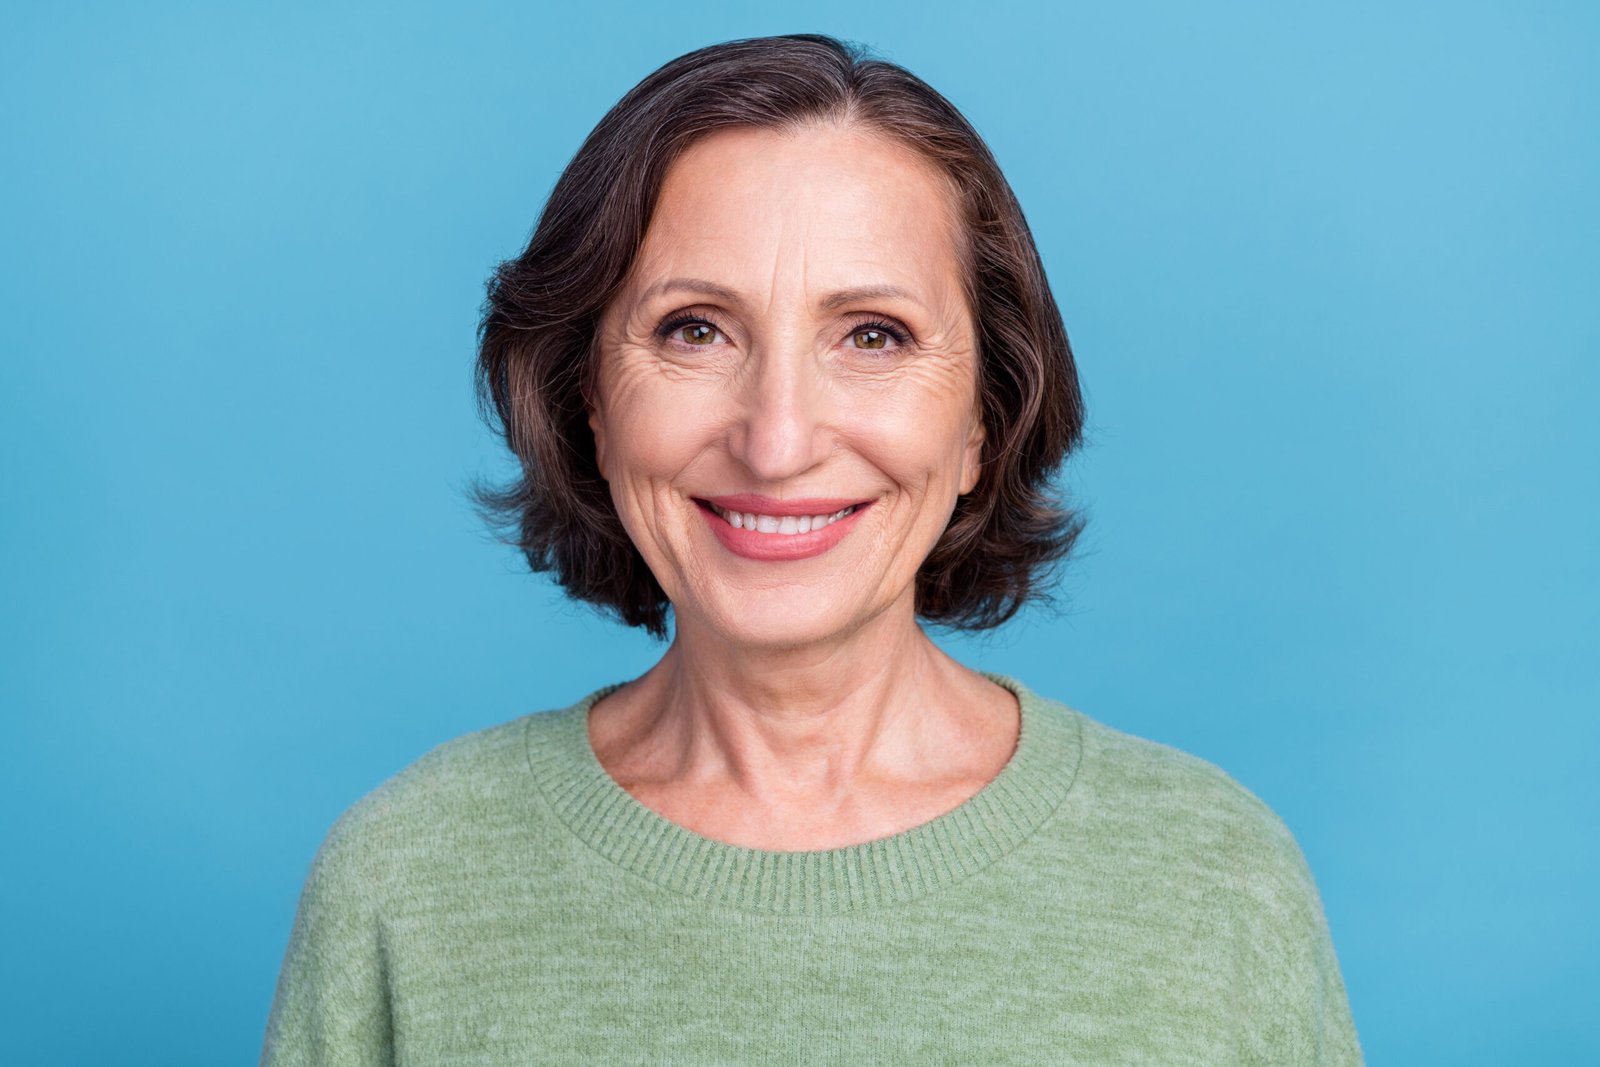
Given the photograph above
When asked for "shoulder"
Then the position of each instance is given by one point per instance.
(448, 772)
(1204, 845)
(423, 812)
(1170, 780)
(1168, 841)
(1185, 812)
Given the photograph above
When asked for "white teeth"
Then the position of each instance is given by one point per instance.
(784, 524)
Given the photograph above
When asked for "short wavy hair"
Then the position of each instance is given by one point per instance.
(538, 348)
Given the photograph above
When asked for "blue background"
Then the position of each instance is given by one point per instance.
(1331, 277)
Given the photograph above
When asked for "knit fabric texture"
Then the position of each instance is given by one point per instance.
(1105, 899)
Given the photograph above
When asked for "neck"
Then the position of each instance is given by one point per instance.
(883, 702)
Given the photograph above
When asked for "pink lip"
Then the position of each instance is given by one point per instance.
(774, 548)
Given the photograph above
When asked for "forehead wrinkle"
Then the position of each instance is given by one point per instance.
(793, 233)
(796, 222)
(805, 253)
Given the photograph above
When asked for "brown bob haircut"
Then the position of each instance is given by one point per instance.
(538, 352)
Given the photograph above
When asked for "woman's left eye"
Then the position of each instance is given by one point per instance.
(875, 336)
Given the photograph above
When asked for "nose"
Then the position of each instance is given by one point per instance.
(779, 432)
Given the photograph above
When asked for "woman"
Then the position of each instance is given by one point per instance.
(781, 357)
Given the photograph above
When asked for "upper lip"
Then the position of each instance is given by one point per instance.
(755, 504)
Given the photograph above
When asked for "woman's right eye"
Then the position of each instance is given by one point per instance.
(698, 333)
(692, 331)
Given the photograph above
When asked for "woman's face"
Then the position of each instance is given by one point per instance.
(792, 341)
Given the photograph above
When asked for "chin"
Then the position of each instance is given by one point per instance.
(782, 618)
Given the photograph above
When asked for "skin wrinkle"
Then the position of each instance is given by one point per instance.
(798, 699)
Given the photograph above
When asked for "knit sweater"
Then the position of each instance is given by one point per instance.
(1105, 899)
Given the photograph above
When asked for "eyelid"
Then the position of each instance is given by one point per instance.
(896, 330)
(679, 319)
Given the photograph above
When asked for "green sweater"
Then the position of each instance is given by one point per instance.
(1104, 900)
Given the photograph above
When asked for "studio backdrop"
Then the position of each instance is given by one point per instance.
(1330, 277)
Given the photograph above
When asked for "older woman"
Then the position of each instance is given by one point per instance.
(781, 359)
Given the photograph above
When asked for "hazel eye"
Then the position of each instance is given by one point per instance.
(698, 333)
(870, 338)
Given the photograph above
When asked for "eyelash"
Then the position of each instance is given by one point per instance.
(678, 322)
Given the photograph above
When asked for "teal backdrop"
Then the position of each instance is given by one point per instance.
(1330, 272)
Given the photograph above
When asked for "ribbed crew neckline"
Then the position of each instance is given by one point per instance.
(888, 870)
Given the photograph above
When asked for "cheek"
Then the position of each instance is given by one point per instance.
(919, 437)
(653, 433)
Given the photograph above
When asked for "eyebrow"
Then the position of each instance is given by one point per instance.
(722, 292)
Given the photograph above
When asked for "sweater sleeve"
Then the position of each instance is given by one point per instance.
(331, 1007)
(1296, 1006)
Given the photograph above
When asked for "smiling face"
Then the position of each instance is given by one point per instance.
(793, 340)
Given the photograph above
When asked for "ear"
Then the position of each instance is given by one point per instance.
(972, 457)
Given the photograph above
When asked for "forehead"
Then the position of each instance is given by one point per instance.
(823, 207)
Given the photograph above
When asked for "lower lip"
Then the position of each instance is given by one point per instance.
(752, 544)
